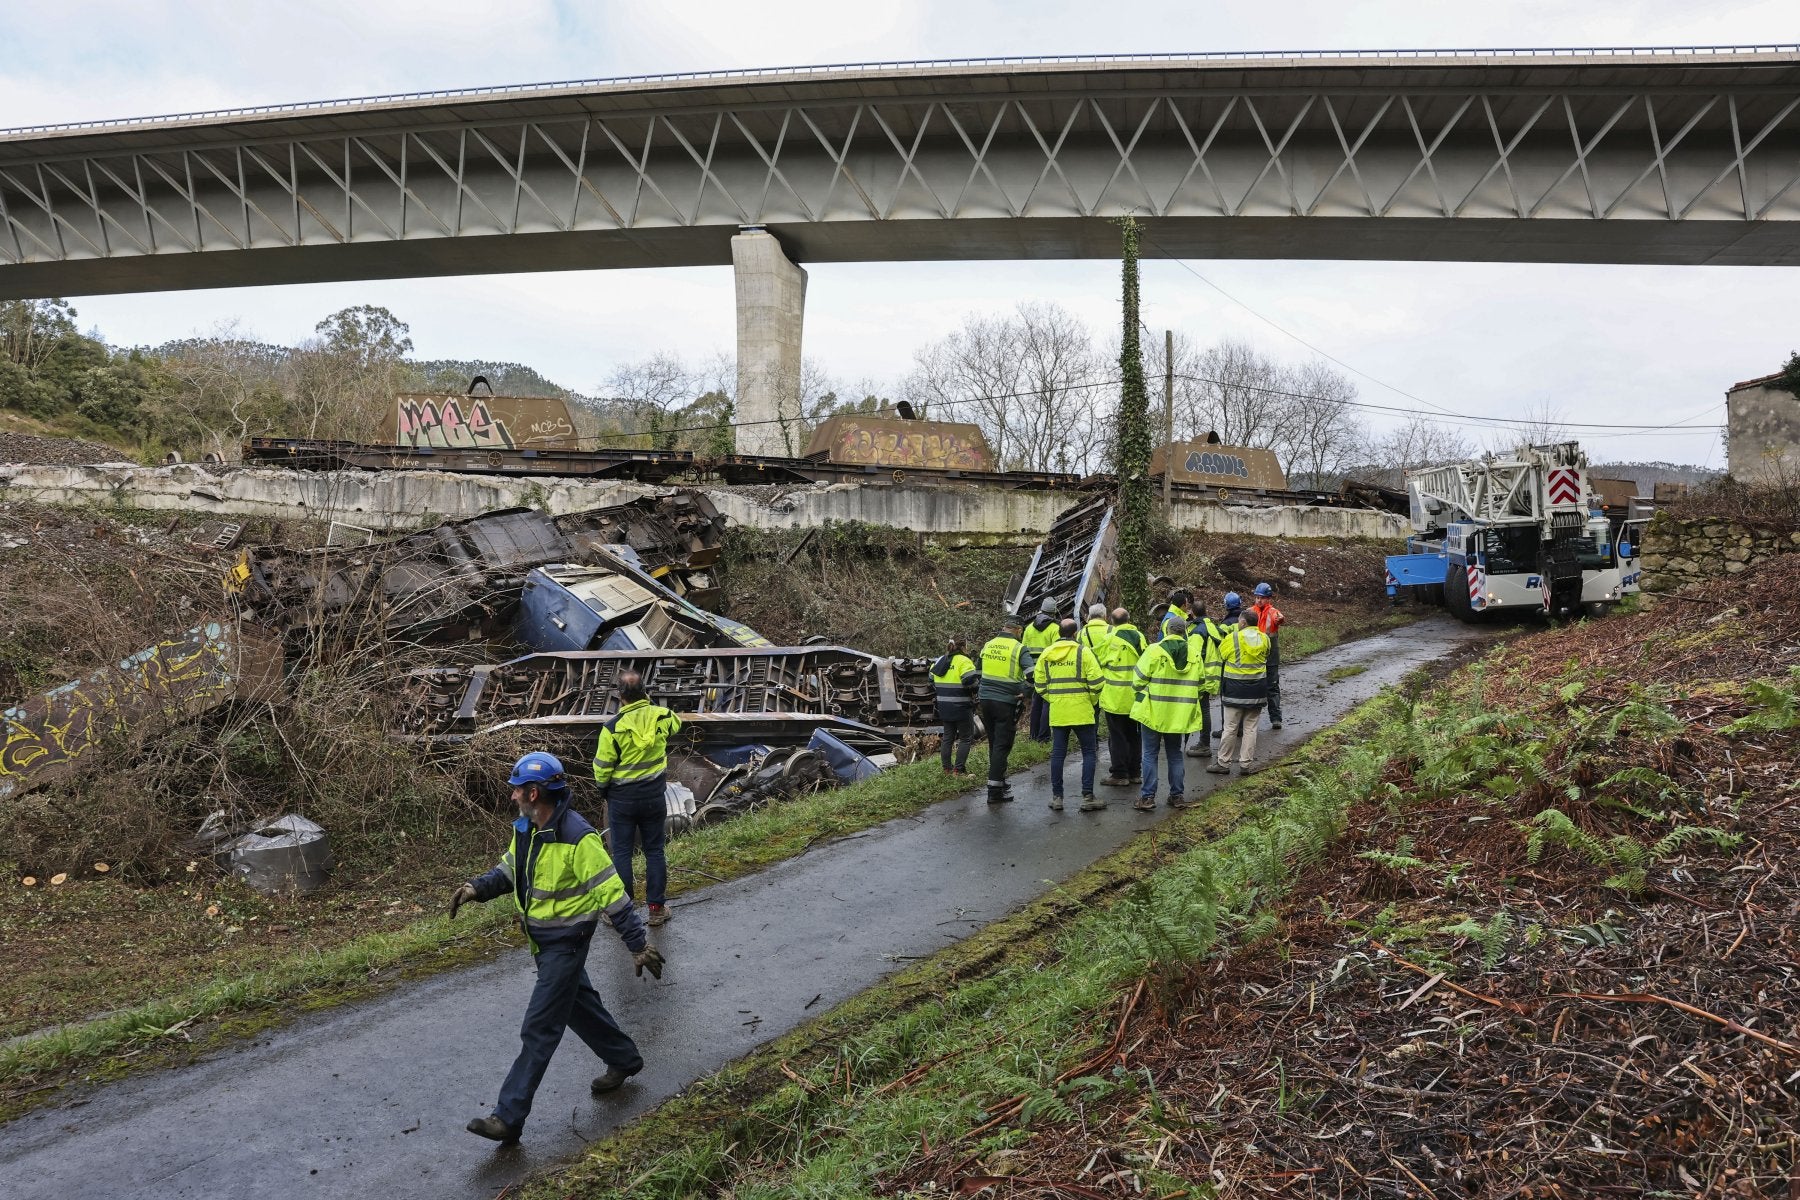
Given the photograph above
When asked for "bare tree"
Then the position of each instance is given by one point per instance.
(1417, 443)
(228, 386)
(1540, 423)
(1322, 434)
(1028, 379)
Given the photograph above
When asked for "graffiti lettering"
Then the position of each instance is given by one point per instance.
(443, 423)
(1210, 463)
(184, 675)
(926, 449)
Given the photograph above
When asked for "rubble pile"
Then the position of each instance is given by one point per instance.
(52, 451)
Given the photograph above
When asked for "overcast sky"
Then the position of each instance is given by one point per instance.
(1600, 343)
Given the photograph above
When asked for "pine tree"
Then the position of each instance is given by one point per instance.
(1133, 466)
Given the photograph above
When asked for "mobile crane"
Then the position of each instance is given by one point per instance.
(1511, 532)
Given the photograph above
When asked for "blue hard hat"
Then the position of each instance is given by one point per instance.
(1263, 589)
(1233, 600)
(537, 767)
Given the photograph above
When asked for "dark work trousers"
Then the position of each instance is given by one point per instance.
(961, 731)
(639, 816)
(1274, 677)
(1124, 746)
(561, 999)
(1040, 719)
(1086, 737)
(1002, 720)
(1202, 741)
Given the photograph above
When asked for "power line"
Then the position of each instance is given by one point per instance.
(1279, 328)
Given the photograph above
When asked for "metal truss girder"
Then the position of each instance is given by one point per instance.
(1640, 158)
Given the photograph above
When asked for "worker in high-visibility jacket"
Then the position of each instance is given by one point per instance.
(1243, 658)
(1038, 637)
(562, 882)
(951, 675)
(1068, 679)
(1179, 599)
(1118, 663)
(1204, 634)
(1005, 685)
(1167, 690)
(631, 761)
(1097, 631)
(1269, 619)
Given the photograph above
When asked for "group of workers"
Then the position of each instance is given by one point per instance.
(1154, 697)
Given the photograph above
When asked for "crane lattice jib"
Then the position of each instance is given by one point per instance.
(1522, 488)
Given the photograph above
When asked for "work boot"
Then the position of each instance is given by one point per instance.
(1056, 804)
(612, 1081)
(1092, 803)
(1115, 781)
(1179, 801)
(1248, 768)
(1274, 724)
(1218, 768)
(659, 915)
(1198, 752)
(1145, 804)
(494, 1129)
(998, 793)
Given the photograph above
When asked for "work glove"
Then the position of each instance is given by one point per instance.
(649, 957)
(463, 895)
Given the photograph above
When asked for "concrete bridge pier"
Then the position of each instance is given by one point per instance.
(771, 305)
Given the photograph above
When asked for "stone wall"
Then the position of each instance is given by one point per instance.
(406, 499)
(1677, 552)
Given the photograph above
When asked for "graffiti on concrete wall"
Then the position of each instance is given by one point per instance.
(932, 445)
(201, 669)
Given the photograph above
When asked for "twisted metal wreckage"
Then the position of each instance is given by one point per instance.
(596, 593)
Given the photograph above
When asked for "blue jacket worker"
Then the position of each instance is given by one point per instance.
(631, 761)
(562, 881)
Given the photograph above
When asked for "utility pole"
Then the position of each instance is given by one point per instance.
(1168, 424)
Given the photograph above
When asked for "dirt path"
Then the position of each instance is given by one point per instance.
(371, 1100)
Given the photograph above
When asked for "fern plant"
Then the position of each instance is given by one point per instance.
(1777, 707)
(1492, 937)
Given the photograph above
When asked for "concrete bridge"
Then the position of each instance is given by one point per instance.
(1681, 156)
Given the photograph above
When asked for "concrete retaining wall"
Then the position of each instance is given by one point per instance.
(405, 499)
(1677, 553)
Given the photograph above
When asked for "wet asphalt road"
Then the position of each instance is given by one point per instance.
(370, 1100)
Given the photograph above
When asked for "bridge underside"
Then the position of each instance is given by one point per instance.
(1690, 159)
(1688, 243)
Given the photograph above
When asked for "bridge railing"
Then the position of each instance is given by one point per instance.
(752, 73)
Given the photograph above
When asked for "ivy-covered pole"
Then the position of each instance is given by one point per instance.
(1132, 467)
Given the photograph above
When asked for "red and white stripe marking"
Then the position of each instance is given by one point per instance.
(1477, 586)
(1563, 485)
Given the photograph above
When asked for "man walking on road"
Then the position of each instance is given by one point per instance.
(562, 881)
(950, 677)
(1005, 666)
(1243, 690)
(1167, 687)
(1038, 637)
(1269, 619)
(1118, 664)
(1068, 678)
(631, 762)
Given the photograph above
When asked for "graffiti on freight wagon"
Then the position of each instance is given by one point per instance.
(198, 670)
(447, 423)
(882, 442)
